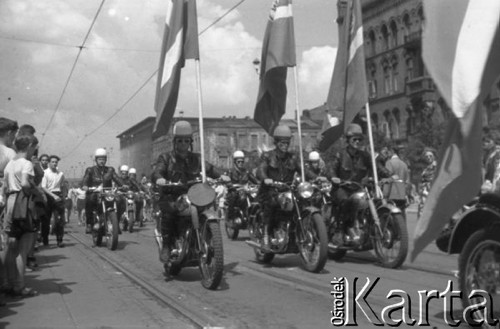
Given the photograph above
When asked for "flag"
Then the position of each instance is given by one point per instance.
(278, 53)
(348, 89)
(461, 44)
(180, 42)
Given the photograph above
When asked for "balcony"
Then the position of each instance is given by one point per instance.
(420, 86)
(413, 40)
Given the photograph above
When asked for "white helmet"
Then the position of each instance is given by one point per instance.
(314, 156)
(132, 171)
(100, 153)
(238, 155)
(124, 168)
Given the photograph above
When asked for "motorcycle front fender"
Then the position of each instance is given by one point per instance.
(472, 220)
(309, 211)
(390, 208)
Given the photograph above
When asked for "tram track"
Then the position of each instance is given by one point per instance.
(197, 319)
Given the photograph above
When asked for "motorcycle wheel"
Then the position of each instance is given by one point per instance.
(231, 231)
(124, 222)
(211, 256)
(392, 247)
(131, 216)
(112, 231)
(478, 266)
(97, 235)
(313, 249)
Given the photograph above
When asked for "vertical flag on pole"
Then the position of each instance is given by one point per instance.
(461, 46)
(278, 53)
(180, 42)
(348, 90)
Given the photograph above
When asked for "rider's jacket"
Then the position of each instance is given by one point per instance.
(242, 176)
(95, 176)
(278, 168)
(176, 169)
(352, 165)
(313, 173)
(133, 184)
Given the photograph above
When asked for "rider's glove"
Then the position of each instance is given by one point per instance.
(225, 178)
(268, 181)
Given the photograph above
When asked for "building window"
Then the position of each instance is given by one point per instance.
(410, 73)
(254, 141)
(372, 89)
(223, 161)
(242, 141)
(394, 34)
(372, 50)
(384, 128)
(223, 140)
(395, 74)
(406, 27)
(385, 37)
(388, 80)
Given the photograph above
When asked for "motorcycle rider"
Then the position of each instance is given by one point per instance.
(136, 187)
(276, 165)
(354, 165)
(315, 167)
(238, 175)
(98, 176)
(179, 165)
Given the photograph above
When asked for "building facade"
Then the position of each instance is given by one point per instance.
(223, 136)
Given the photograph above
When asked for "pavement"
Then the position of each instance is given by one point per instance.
(76, 289)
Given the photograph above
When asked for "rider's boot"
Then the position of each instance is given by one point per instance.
(88, 230)
(165, 250)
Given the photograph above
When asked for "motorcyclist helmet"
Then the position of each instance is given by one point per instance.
(100, 153)
(182, 129)
(124, 168)
(314, 156)
(132, 171)
(238, 155)
(282, 132)
(354, 130)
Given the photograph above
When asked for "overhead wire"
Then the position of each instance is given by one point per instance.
(80, 48)
(145, 83)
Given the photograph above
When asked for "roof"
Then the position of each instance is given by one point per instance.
(149, 121)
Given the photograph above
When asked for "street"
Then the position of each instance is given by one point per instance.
(84, 287)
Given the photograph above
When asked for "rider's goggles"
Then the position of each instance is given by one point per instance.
(184, 140)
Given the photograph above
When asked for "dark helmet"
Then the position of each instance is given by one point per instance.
(353, 130)
(282, 132)
(182, 129)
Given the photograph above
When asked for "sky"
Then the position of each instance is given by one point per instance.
(39, 42)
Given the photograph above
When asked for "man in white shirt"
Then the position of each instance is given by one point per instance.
(53, 185)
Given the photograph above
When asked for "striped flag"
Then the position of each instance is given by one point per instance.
(461, 46)
(180, 42)
(278, 53)
(348, 89)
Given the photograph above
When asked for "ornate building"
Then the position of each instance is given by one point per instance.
(401, 92)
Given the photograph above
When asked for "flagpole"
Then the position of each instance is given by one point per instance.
(372, 149)
(200, 121)
(299, 125)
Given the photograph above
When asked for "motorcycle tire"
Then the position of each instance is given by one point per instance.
(394, 229)
(131, 216)
(124, 222)
(315, 238)
(231, 231)
(112, 231)
(211, 256)
(470, 266)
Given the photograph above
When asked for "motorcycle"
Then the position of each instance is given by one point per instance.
(369, 223)
(198, 240)
(246, 206)
(129, 217)
(474, 234)
(105, 218)
(299, 228)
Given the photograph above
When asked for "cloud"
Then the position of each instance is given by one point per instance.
(315, 74)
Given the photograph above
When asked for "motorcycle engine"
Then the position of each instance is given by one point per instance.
(280, 238)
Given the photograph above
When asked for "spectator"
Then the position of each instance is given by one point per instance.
(427, 178)
(19, 179)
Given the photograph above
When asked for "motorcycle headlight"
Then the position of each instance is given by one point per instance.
(305, 190)
(182, 203)
(109, 197)
(326, 187)
(130, 194)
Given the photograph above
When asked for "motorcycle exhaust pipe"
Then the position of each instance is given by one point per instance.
(254, 244)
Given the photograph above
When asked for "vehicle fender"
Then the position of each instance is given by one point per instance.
(210, 214)
(472, 220)
(390, 208)
(310, 210)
